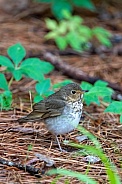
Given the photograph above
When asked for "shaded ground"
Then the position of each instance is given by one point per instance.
(30, 32)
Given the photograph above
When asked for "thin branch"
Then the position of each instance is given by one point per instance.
(28, 168)
(74, 72)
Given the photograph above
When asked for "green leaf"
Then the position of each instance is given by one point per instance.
(81, 177)
(5, 100)
(91, 98)
(3, 82)
(61, 42)
(17, 74)
(51, 35)
(38, 98)
(46, 67)
(62, 27)
(30, 147)
(85, 4)
(4, 61)
(59, 6)
(48, 93)
(85, 32)
(102, 35)
(73, 40)
(101, 83)
(95, 93)
(43, 86)
(114, 107)
(16, 53)
(51, 24)
(77, 20)
(35, 68)
(33, 73)
(120, 118)
(86, 85)
(103, 40)
(101, 31)
(67, 15)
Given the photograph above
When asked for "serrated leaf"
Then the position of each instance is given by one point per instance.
(86, 86)
(103, 40)
(16, 53)
(77, 20)
(46, 67)
(4, 61)
(51, 24)
(114, 107)
(107, 99)
(73, 40)
(101, 91)
(33, 73)
(95, 93)
(66, 14)
(61, 42)
(59, 6)
(35, 68)
(62, 27)
(43, 86)
(101, 31)
(48, 93)
(5, 100)
(38, 98)
(85, 32)
(3, 82)
(90, 98)
(85, 4)
(51, 35)
(101, 83)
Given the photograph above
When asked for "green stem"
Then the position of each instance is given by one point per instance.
(10, 82)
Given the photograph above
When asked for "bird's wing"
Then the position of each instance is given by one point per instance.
(44, 109)
(49, 108)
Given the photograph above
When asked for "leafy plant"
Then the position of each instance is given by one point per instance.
(96, 92)
(100, 92)
(5, 95)
(93, 150)
(116, 108)
(43, 90)
(71, 31)
(58, 6)
(18, 67)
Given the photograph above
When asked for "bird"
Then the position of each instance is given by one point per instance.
(60, 112)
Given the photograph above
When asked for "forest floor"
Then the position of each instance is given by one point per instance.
(15, 139)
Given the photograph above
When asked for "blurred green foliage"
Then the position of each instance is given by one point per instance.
(57, 6)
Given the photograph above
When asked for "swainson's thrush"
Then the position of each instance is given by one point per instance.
(60, 111)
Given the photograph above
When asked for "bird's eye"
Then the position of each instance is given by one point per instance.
(73, 92)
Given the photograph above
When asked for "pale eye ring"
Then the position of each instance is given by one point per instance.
(73, 92)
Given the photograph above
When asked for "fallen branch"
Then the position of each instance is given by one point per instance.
(28, 168)
(74, 72)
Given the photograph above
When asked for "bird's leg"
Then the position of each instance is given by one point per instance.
(59, 144)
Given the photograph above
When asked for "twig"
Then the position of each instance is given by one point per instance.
(74, 72)
(28, 168)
